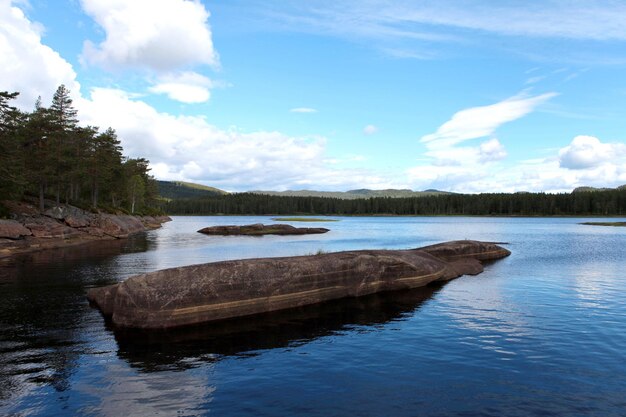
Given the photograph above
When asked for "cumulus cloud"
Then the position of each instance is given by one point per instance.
(190, 148)
(187, 87)
(161, 35)
(28, 66)
(589, 162)
(303, 110)
(491, 150)
(370, 130)
(588, 152)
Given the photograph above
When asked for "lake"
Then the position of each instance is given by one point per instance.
(540, 333)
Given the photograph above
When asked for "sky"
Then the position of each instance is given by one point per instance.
(459, 95)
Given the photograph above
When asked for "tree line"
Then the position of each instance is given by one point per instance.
(45, 153)
(596, 203)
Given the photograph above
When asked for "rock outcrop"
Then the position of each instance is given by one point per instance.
(221, 290)
(261, 229)
(11, 229)
(65, 225)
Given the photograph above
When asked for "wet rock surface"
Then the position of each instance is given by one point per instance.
(221, 290)
(261, 229)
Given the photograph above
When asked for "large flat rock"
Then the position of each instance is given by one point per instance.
(221, 290)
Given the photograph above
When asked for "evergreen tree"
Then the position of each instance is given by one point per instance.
(11, 171)
(38, 149)
(105, 163)
(64, 137)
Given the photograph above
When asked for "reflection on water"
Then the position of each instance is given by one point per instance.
(185, 348)
(539, 333)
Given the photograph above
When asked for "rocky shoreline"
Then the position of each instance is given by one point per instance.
(63, 225)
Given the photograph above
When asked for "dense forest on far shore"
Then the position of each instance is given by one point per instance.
(584, 203)
(45, 154)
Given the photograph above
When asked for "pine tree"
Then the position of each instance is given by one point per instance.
(11, 171)
(105, 163)
(64, 119)
(39, 150)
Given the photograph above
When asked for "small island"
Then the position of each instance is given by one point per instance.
(303, 219)
(613, 224)
(261, 230)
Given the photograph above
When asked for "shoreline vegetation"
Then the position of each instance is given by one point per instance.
(64, 184)
(46, 154)
(598, 203)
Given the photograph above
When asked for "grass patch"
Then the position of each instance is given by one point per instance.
(302, 219)
(613, 224)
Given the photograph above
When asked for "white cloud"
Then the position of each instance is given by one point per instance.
(538, 174)
(28, 66)
(303, 110)
(161, 35)
(472, 168)
(588, 152)
(492, 150)
(477, 122)
(190, 148)
(187, 87)
(370, 130)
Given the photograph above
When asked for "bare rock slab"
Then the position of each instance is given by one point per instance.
(261, 230)
(221, 290)
(11, 229)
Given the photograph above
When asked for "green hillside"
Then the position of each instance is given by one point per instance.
(354, 194)
(174, 190)
(589, 189)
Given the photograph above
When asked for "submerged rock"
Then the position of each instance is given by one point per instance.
(261, 229)
(221, 290)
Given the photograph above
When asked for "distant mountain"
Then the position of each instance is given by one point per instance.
(588, 189)
(174, 190)
(354, 194)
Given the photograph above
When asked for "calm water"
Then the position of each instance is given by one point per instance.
(540, 333)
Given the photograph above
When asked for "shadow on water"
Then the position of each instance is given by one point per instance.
(186, 348)
(43, 313)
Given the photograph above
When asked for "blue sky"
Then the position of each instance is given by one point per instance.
(463, 95)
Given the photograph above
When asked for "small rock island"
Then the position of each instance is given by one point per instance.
(261, 230)
(214, 291)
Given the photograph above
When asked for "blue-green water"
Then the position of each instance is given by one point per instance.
(540, 333)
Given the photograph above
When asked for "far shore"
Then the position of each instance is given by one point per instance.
(513, 216)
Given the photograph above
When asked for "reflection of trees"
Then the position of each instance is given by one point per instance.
(43, 311)
(173, 349)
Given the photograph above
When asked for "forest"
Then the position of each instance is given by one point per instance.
(583, 203)
(46, 154)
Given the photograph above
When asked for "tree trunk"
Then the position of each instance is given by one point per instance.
(94, 194)
(41, 193)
